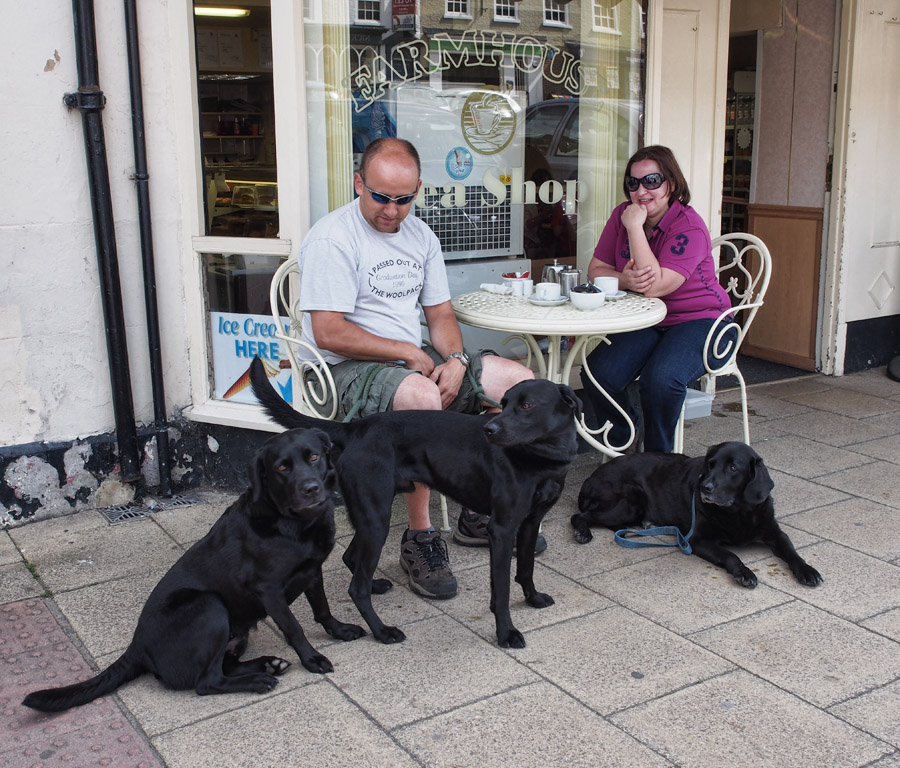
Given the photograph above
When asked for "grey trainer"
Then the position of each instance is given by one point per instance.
(425, 559)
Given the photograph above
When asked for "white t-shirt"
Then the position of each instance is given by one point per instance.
(376, 279)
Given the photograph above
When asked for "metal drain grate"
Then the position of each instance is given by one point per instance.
(125, 513)
(172, 502)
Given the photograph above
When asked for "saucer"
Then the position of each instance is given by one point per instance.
(548, 302)
(616, 295)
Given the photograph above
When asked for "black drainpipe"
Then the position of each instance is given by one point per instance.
(89, 100)
(142, 180)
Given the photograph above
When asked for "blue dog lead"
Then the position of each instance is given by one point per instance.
(681, 541)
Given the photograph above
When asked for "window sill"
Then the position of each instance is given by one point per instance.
(242, 415)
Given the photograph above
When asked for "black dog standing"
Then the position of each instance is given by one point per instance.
(258, 557)
(511, 466)
(729, 490)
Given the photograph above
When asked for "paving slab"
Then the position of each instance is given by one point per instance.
(819, 657)
(856, 523)
(551, 729)
(413, 679)
(614, 659)
(875, 480)
(315, 725)
(683, 593)
(737, 719)
(802, 457)
(855, 586)
(875, 712)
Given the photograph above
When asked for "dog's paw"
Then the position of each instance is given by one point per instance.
(276, 666)
(745, 577)
(389, 635)
(582, 532)
(317, 663)
(583, 537)
(380, 586)
(808, 575)
(540, 600)
(512, 639)
(344, 631)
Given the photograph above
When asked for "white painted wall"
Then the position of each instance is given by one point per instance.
(54, 383)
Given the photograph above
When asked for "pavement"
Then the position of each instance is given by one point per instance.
(648, 657)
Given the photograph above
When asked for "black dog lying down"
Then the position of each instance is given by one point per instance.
(511, 466)
(258, 557)
(733, 505)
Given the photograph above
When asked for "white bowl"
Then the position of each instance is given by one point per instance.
(587, 302)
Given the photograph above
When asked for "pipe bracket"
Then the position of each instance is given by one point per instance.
(85, 99)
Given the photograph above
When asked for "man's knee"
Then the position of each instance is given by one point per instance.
(498, 374)
(417, 393)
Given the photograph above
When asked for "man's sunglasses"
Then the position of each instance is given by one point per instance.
(378, 197)
(650, 181)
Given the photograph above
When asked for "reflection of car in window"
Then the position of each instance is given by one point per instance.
(600, 134)
(553, 129)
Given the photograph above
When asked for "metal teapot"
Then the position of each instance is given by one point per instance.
(551, 272)
(568, 279)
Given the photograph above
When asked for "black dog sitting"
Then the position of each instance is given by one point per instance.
(729, 489)
(258, 557)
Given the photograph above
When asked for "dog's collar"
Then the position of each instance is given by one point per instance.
(682, 541)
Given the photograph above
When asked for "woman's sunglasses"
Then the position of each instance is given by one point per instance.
(378, 197)
(650, 181)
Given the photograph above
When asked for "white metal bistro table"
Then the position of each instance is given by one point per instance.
(523, 319)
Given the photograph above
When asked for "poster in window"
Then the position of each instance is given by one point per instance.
(238, 338)
(405, 15)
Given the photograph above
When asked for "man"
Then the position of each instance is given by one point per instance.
(364, 268)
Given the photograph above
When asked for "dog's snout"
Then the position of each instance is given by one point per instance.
(491, 428)
(312, 487)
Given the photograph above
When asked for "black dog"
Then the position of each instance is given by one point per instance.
(511, 466)
(258, 557)
(729, 489)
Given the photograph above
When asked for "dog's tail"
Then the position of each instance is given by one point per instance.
(121, 671)
(278, 410)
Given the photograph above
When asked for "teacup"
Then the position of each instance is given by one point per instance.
(547, 291)
(608, 285)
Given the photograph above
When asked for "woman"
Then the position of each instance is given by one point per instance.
(657, 245)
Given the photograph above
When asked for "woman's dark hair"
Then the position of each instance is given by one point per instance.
(386, 144)
(678, 187)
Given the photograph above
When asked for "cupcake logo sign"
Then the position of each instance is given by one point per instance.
(488, 122)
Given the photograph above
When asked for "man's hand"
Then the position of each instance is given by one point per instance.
(448, 377)
(418, 360)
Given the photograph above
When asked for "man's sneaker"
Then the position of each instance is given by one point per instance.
(424, 557)
(471, 531)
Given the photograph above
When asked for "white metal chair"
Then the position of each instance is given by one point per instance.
(314, 390)
(746, 263)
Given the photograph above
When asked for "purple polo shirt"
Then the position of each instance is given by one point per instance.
(681, 243)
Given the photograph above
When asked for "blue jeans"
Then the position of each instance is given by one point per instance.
(667, 359)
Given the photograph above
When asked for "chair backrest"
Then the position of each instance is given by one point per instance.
(745, 267)
(314, 390)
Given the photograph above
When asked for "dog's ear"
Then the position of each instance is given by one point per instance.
(324, 439)
(256, 473)
(760, 485)
(570, 398)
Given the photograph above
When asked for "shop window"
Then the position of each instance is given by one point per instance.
(515, 125)
(506, 10)
(368, 11)
(556, 14)
(237, 124)
(606, 19)
(457, 8)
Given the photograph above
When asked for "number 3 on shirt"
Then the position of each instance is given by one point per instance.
(680, 245)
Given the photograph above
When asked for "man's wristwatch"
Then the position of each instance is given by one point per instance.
(461, 356)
